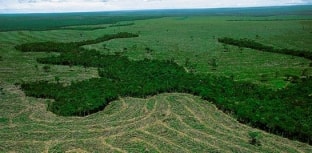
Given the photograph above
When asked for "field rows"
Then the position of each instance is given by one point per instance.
(163, 123)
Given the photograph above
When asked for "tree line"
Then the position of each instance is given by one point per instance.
(71, 46)
(247, 43)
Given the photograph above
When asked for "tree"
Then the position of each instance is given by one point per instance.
(226, 48)
(304, 73)
(214, 64)
(255, 138)
(187, 62)
(264, 77)
(1, 91)
(57, 79)
(240, 49)
(46, 68)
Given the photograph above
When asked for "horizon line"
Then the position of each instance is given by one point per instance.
(152, 9)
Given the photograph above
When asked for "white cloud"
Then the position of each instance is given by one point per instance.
(10, 6)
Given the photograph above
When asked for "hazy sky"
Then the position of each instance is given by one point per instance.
(18, 6)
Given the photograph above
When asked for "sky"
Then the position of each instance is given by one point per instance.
(51, 6)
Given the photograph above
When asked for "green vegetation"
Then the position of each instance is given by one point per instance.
(257, 46)
(85, 28)
(166, 65)
(68, 47)
(46, 68)
(121, 24)
(255, 138)
(125, 124)
(61, 21)
(120, 77)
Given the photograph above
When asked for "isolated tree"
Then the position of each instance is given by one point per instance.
(172, 59)
(57, 79)
(304, 72)
(1, 91)
(85, 66)
(255, 138)
(240, 49)
(36, 67)
(264, 77)
(46, 68)
(226, 48)
(134, 47)
(232, 77)
(187, 62)
(105, 46)
(214, 64)
(148, 50)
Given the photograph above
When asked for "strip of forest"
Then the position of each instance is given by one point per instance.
(278, 112)
(247, 43)
(63, 21)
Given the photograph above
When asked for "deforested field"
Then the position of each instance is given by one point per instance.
(201, 81)
(162, 123)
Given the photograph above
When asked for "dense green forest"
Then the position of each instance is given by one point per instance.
(275, 111)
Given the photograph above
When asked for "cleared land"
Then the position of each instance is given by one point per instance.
(163, 123)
